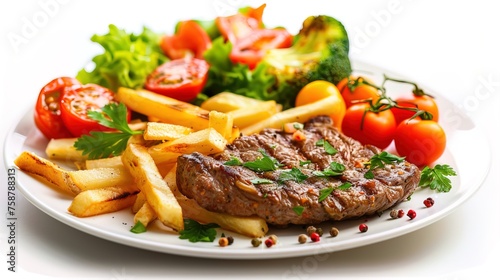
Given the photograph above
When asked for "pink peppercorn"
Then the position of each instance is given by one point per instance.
(411, 214)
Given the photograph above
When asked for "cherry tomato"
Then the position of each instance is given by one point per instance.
(317, 90)
(190, 40)
(250, 49)
(47, 110)
(373, 128)
(422, 102)
(361, 91)
(181, 79)
(239, 25)
(77, 101)
(421, 141)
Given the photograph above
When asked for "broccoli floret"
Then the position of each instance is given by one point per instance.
(320, 52)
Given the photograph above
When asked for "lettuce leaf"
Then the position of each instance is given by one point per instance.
(223, 75)
(127, 59)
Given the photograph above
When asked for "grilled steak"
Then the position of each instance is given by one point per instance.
(221, 183)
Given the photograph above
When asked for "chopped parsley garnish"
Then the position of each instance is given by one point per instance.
(196, 232)
(302, 163)
(293, 174)
(298, 210)
(344, 186)
(329, 149)
(104, 144)
(298, 126)
(436, 178)
(234, 161)
(334, 169)
(262, 164)
(379, 161)
(138, 228)
(324, 193)
(258, 181)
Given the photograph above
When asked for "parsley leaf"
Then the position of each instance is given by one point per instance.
(435, 178)
(298, 126)
(234, 161)
(302, 163)
(138, 228)
(293, 174)
(298, 210)
(324, 193)
(101, 144)
(379, 161)
(334, 169)
(344, 186)
(329, 149)
(265, 163)
(196, 232)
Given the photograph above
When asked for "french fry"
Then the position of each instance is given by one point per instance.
(248, 226)
(222, 123)
(145, 215)
(165, 131)
(73, 181)
(228, 101)
(251, 114)
(163, 108)
(140, 164)
(139, 201)
(63, 149)
(206, 141)
(104, 162)
(99, 201)
(35, 165)
(97, 178)
(325, 106)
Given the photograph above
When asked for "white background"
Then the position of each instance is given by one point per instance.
(452, 46)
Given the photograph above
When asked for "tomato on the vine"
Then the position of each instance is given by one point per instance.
(181, 79)
(369, 127)
(77, 101)
(317, 90)
(420, 102)
(421, 142)
(47, 109)
(356, 89)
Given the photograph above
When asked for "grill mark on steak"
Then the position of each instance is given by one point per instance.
(229, 189)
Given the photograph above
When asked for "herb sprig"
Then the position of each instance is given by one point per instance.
(261, 164)
(196, 232)
(436, 178)
(329, 149)
(101, 144)
(379, 161)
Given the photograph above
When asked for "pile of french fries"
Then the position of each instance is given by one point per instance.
(143, 177)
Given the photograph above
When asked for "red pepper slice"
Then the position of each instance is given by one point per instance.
(181, 79)
(250, 49)
(190, 40)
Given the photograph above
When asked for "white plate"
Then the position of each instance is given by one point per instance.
(472, 165)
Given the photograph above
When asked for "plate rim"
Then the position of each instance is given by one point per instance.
(253, 253)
